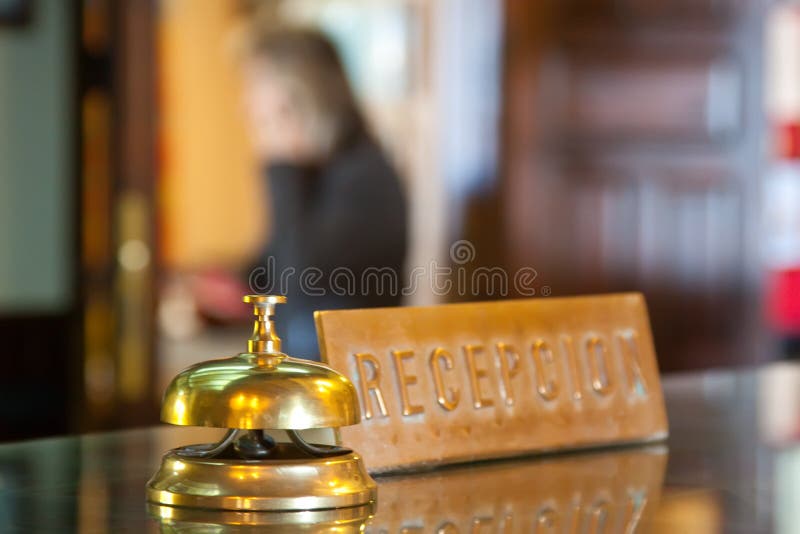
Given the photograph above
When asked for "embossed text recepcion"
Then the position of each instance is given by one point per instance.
(463, 382)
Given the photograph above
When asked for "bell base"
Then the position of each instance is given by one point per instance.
(294, 484)
(324, 521)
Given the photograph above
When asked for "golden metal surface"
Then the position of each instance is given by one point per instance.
(295, 482)
(463, 382)
(242, 392)
(335, 521)
(264, 338)
(249, 470)
(263, 389)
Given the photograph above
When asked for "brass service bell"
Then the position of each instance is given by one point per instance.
(256, 395)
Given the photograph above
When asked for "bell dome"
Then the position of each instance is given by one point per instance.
(252, 391)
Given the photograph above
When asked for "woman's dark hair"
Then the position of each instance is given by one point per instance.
(307, 61)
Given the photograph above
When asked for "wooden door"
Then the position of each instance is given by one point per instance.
(632, 162)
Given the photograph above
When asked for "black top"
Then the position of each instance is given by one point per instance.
(339, 240)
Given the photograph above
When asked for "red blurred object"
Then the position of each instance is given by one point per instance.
(789, 141)
(782, 298)
(218, 296)
(783, 301)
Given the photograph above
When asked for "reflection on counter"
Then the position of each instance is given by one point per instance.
(611, 491)
(602, 492)
(720, 477)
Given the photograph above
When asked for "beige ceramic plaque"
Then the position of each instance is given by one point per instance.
(463, 382)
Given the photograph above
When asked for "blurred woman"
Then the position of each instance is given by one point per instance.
(337, 205)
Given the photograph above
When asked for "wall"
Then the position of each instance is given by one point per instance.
(213, 204)
(36, 163)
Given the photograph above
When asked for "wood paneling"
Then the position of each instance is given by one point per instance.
(625, 164)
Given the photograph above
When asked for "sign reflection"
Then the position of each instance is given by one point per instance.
(600, 492)
(608, 492)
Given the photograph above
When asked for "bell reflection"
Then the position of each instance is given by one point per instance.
(610, 491)
(606, 492)
(338, 521)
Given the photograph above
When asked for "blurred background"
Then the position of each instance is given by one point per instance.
(611, 145)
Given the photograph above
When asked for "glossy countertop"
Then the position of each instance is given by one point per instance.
(731, 464)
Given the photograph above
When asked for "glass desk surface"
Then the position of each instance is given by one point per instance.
(731, 464)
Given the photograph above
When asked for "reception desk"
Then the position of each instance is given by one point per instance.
(730, 465)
